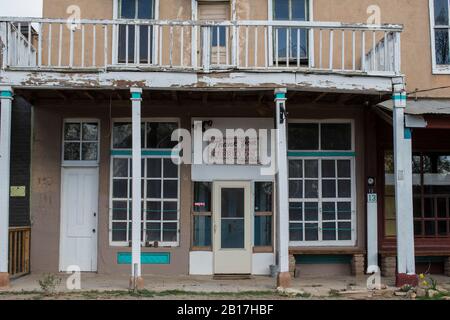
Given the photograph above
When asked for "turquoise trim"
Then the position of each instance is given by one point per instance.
(399, 96)
(151, 153)
(408, 134)
(6, 94)
(321, 154)
(136, 95)
(146, 258)
(323, 259)
(280, 95)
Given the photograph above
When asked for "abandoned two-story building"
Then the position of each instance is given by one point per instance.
(357, 113)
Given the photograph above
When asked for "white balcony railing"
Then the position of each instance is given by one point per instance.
(200, 46)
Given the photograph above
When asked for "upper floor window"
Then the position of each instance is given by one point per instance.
(128, 50)
(80, 142)
(440, 26)
(296, 38)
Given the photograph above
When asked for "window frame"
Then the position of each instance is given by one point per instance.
(418, 181)
(80, 163)
(201, 214)
(144, 221)
(115, 44)
(320, 122)
(320, 200)
(264, 249)
(437, 69)
(346, 155)
(270, 18)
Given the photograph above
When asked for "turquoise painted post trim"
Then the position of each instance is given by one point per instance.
(146, 258)
(136, 95)
(280, 95)
(408, 134)
(148, 153)
(321, 154)
(6, 94)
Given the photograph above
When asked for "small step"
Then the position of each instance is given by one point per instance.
(232, 277)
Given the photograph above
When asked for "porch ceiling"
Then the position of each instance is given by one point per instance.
(203, 97)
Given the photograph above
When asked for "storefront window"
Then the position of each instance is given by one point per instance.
(160, 188)
(431, 195)
(263, 214)
(202, 215)
(321, 201)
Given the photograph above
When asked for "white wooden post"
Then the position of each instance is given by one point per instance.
(136, 98)
(284, 278)
(403, 186)
(6, 97)
(372, 231)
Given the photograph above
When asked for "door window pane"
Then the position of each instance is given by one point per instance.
(72, 132)
(232, 234)
(232, 218)
(232, 203)
(71, 151)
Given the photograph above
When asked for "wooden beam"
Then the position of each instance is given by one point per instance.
(383, 115)
(319, 97)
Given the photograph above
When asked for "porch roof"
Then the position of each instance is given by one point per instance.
(423, 113)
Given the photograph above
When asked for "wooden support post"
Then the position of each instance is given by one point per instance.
(136, 276)
(6, 97)
(403, 191)
(284, 277)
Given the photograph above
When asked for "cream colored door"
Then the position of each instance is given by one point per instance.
(232, 228)
(216, 11)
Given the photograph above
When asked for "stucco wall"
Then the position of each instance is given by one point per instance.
(46, 177)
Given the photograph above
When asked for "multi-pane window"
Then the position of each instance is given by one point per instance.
(263, 215)
(80, 141)
(201, 216)
(431, 194)
(160, 186)
(136, 9)
(320, 205)
(321, 179)
(440, 29)
(290, 43)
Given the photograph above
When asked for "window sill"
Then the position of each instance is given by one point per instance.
(263, 249)
(442, 70)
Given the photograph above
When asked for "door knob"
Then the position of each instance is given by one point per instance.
(93, 230)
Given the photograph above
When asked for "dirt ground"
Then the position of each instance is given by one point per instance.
(108, 287)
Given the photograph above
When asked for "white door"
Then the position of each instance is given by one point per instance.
(232, 228)
(79, 207)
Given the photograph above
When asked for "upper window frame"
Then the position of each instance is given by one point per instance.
(326, 121)
(80, 163)
(436, 69)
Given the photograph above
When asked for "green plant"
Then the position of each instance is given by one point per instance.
(48, 283)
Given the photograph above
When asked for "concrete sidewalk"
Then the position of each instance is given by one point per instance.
(314, 286)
